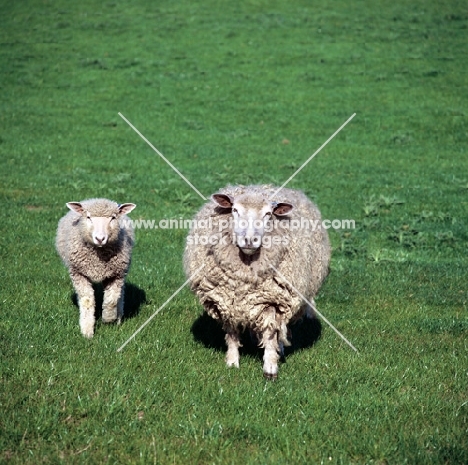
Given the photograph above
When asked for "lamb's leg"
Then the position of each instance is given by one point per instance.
(233, 344)
(271, 347)
(86, 302)
(112, 306)
(120, 305)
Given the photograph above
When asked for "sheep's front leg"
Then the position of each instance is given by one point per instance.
(86, 302)
(271, 347)
(112, 305)
(233, 344)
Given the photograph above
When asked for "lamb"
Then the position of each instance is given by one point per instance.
(95, 241)
(259, 249)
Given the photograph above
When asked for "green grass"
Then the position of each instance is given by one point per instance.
(237, 92)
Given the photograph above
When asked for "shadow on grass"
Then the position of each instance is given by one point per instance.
(134, 298)
(207, 331)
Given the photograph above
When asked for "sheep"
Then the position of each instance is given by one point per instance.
(95, 241)
(259, 248)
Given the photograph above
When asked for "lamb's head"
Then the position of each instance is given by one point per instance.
(251, 215)
(100, 219)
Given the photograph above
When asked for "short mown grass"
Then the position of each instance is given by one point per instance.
(237, 92)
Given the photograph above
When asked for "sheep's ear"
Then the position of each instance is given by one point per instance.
(126, 208)
(76, 207)
(282, 208)
(223, 200)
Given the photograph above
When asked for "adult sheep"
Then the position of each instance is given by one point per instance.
(260, 248)
(95, 241)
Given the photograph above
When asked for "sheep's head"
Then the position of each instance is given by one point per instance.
(100, 219)
(251, 214)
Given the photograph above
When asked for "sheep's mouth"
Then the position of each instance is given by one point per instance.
(249, 245)
(250, 250)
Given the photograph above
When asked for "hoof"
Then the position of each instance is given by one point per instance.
(88, 334)
(270, 370)
(234, 364)
(110, 320)
(232, 358)
(270, 376)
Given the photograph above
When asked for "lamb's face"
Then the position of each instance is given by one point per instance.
(103, 229)
(251, 216)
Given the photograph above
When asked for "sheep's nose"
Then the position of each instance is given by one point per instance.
(100, 240)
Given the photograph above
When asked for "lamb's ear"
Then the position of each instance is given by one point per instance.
(76, 207)
(126, 208)
(282, 208)
(223, 200)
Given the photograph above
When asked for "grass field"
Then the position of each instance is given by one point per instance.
(237, 92)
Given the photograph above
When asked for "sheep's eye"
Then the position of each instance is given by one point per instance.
(113, 217)
(234, 210)
(268, 214)
(88, 216)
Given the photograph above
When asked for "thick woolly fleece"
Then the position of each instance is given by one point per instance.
(237, 289)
